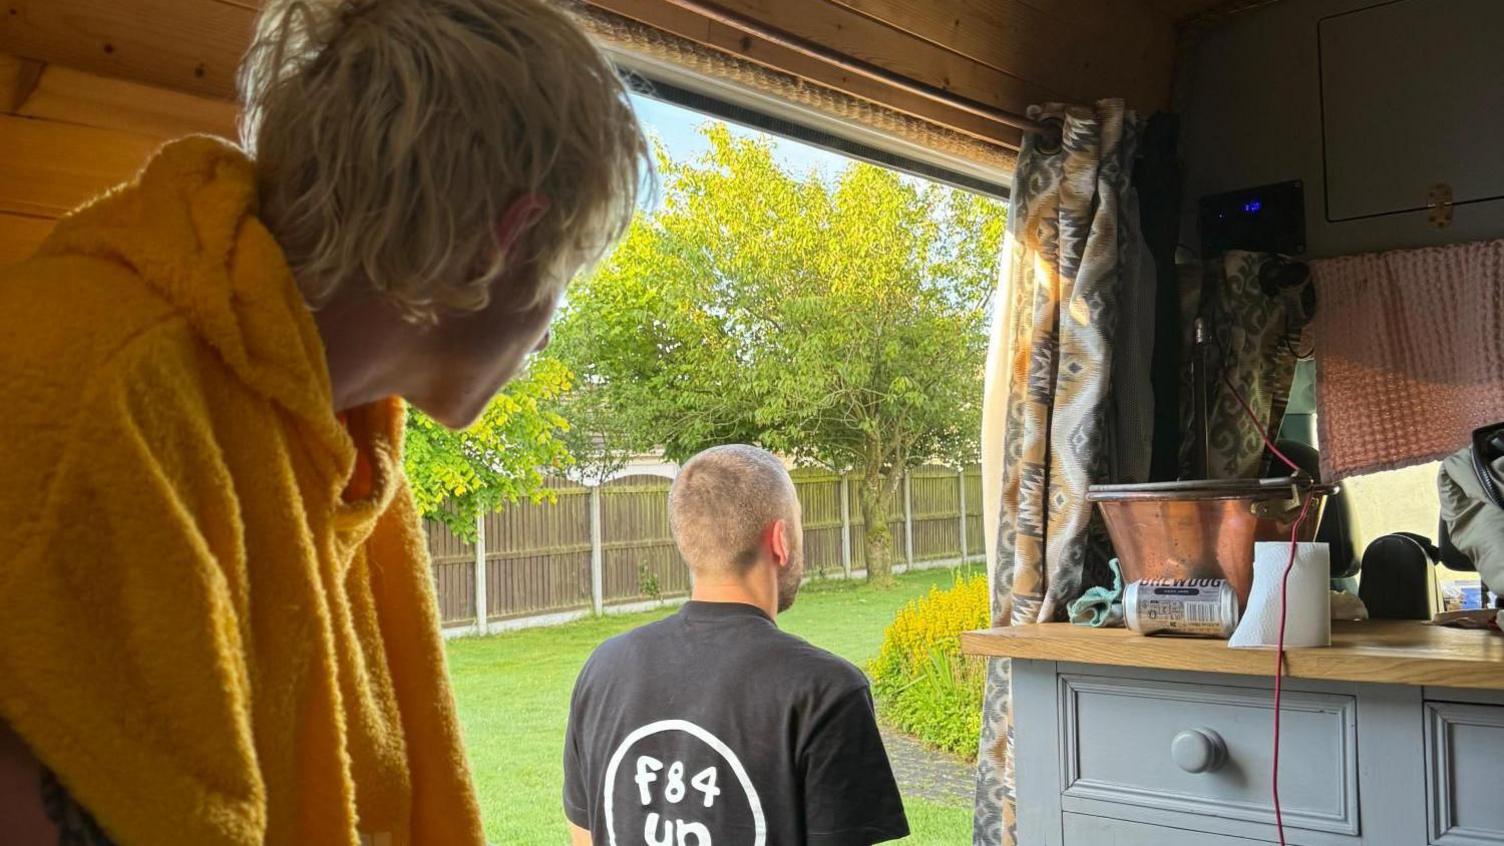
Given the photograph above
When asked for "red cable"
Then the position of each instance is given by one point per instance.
(1295, 468)
(1279, 662)
(1279, 653)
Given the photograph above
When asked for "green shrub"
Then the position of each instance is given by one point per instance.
(922, 683)
(647, 583)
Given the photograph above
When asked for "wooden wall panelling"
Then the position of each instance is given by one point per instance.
(1086, 49)
(20, 235)
(186, 45)
(49, 168)
(67, 135)
(18, 77)
(687, 25)
(195, 45)
(71, 96)
(1181, 10)
(862, 37)
(1008, 53)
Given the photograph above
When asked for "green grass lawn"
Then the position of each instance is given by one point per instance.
(513, 694)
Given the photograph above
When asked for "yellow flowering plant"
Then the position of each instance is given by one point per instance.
(923, 684)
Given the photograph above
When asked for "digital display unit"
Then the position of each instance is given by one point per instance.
(1266, 219)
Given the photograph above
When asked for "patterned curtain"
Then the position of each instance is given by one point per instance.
(1257, 340)
(1070, 275)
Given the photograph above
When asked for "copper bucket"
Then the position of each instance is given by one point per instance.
(1203, 529)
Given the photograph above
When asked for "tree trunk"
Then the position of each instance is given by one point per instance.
(878, 541)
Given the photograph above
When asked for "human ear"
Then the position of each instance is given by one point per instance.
(518, 219)
(778, 543)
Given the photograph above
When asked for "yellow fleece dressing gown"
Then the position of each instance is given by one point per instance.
(207, 629)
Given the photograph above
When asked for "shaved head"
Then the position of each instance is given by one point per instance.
(722, 503)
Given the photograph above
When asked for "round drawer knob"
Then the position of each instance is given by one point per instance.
(1198, 750)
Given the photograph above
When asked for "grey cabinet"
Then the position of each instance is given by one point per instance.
(1412, 95)
(1080, 828)
(1368, 102)
(1134, 756)
(1465, 774)
(1205, 750)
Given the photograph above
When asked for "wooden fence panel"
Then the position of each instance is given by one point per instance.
(635, 540)
(538, 554)
(935, 494)
(859, 532)
(453, 574)
(975, 541)
(820, 498)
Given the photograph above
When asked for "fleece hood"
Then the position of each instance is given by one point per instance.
(188, 228)
(217, 613)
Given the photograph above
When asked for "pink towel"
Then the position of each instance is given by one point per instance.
(1409, 353)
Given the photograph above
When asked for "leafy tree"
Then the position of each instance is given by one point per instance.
(600, 440)
(456, 476)
(840, 322)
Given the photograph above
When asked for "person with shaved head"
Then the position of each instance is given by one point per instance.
(713, 726)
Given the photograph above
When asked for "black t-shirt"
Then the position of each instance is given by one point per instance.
(714, 728)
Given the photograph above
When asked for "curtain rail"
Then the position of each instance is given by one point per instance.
(851, 64)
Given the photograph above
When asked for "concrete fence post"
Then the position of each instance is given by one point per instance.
(481, 612)
(846, 525)
(597, 555)
(961, 481)
(908, 521)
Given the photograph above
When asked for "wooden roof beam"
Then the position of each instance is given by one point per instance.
(185, 45)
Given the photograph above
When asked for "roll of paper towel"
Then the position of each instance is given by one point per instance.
(1308, 598)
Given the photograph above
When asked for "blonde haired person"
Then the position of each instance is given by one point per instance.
(217, 624)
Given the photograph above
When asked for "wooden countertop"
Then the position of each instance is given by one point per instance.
(1378, 651)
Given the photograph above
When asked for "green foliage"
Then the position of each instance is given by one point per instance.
(599, 441)
(839, 322)
(456, 476)
(922, 682)
(647, 582)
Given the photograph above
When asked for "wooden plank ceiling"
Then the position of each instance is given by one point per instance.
(1182, 10)
(89, 87)
(1008, 54)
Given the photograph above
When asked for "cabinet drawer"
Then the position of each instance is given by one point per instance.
(1083, 830)
(1465, 774)
(1207, 750)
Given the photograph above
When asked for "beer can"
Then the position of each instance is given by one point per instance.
(1199, 607)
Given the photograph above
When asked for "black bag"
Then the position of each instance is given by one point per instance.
(1396, 583)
